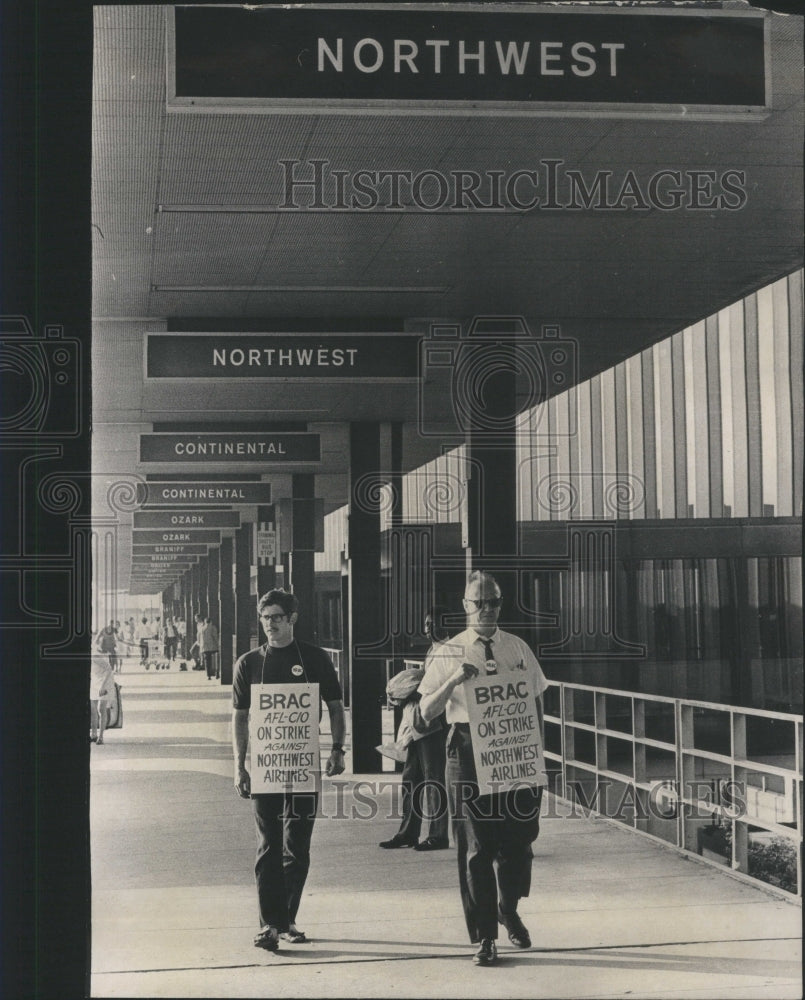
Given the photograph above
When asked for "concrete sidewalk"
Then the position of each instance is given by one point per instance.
(174, 905)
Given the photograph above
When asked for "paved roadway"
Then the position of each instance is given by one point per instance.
(173, 902)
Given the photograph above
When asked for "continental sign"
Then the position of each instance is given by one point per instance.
(183, 494)
(186, 519)
(283, 356)
(394, 57)
(265, 447)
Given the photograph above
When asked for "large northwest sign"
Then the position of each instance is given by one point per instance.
(239, 447)
(397, 57)
(201, 493)
(186, 519)
(281, 356)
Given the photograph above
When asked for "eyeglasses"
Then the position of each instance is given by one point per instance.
(273, 619)
(491, 603)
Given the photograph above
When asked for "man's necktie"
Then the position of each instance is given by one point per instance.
(491, 666)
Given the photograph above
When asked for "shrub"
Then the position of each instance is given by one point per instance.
(774, 862)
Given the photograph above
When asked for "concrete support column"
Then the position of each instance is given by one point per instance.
(226, 600)
(202, 605)
(366, 626)
(187, 610)
(213, 576)
(244, 602)
(491, 530)
(301, 559)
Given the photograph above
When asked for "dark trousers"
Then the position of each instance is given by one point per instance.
(423, 781)
(284, 828)
(493, 835)
(211, 663)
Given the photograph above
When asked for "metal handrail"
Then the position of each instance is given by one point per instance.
(695, 769)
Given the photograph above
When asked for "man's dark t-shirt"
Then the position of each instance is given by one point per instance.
(281, 665)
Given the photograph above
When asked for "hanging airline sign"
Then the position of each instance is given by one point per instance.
(185, 551)
(186, 519)
(172, 571)
(237, 447)
(178, 536)
(281, 356)
(386, 57)
(201, 493)
(163, 560)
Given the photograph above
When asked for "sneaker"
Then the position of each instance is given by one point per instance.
(293, 935)
(268, 938)
(487, 953)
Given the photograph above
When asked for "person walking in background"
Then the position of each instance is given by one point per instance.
(423, 772)
(170, 639)
(130, 629)
(181, 632)
(208, 644)
(493, 832)
(142, 634)
(107, 643)
(195, 649)
(117, 666)
(101, 689)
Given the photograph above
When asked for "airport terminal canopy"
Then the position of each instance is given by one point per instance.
(346, 176)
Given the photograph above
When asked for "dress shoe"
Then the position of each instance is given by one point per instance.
(518, 934)
(397, 841)
(487, 953)
(433, 844)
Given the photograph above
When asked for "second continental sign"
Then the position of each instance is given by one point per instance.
(197, 494)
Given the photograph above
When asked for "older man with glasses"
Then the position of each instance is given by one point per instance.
(284, 820)
(493, 832)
